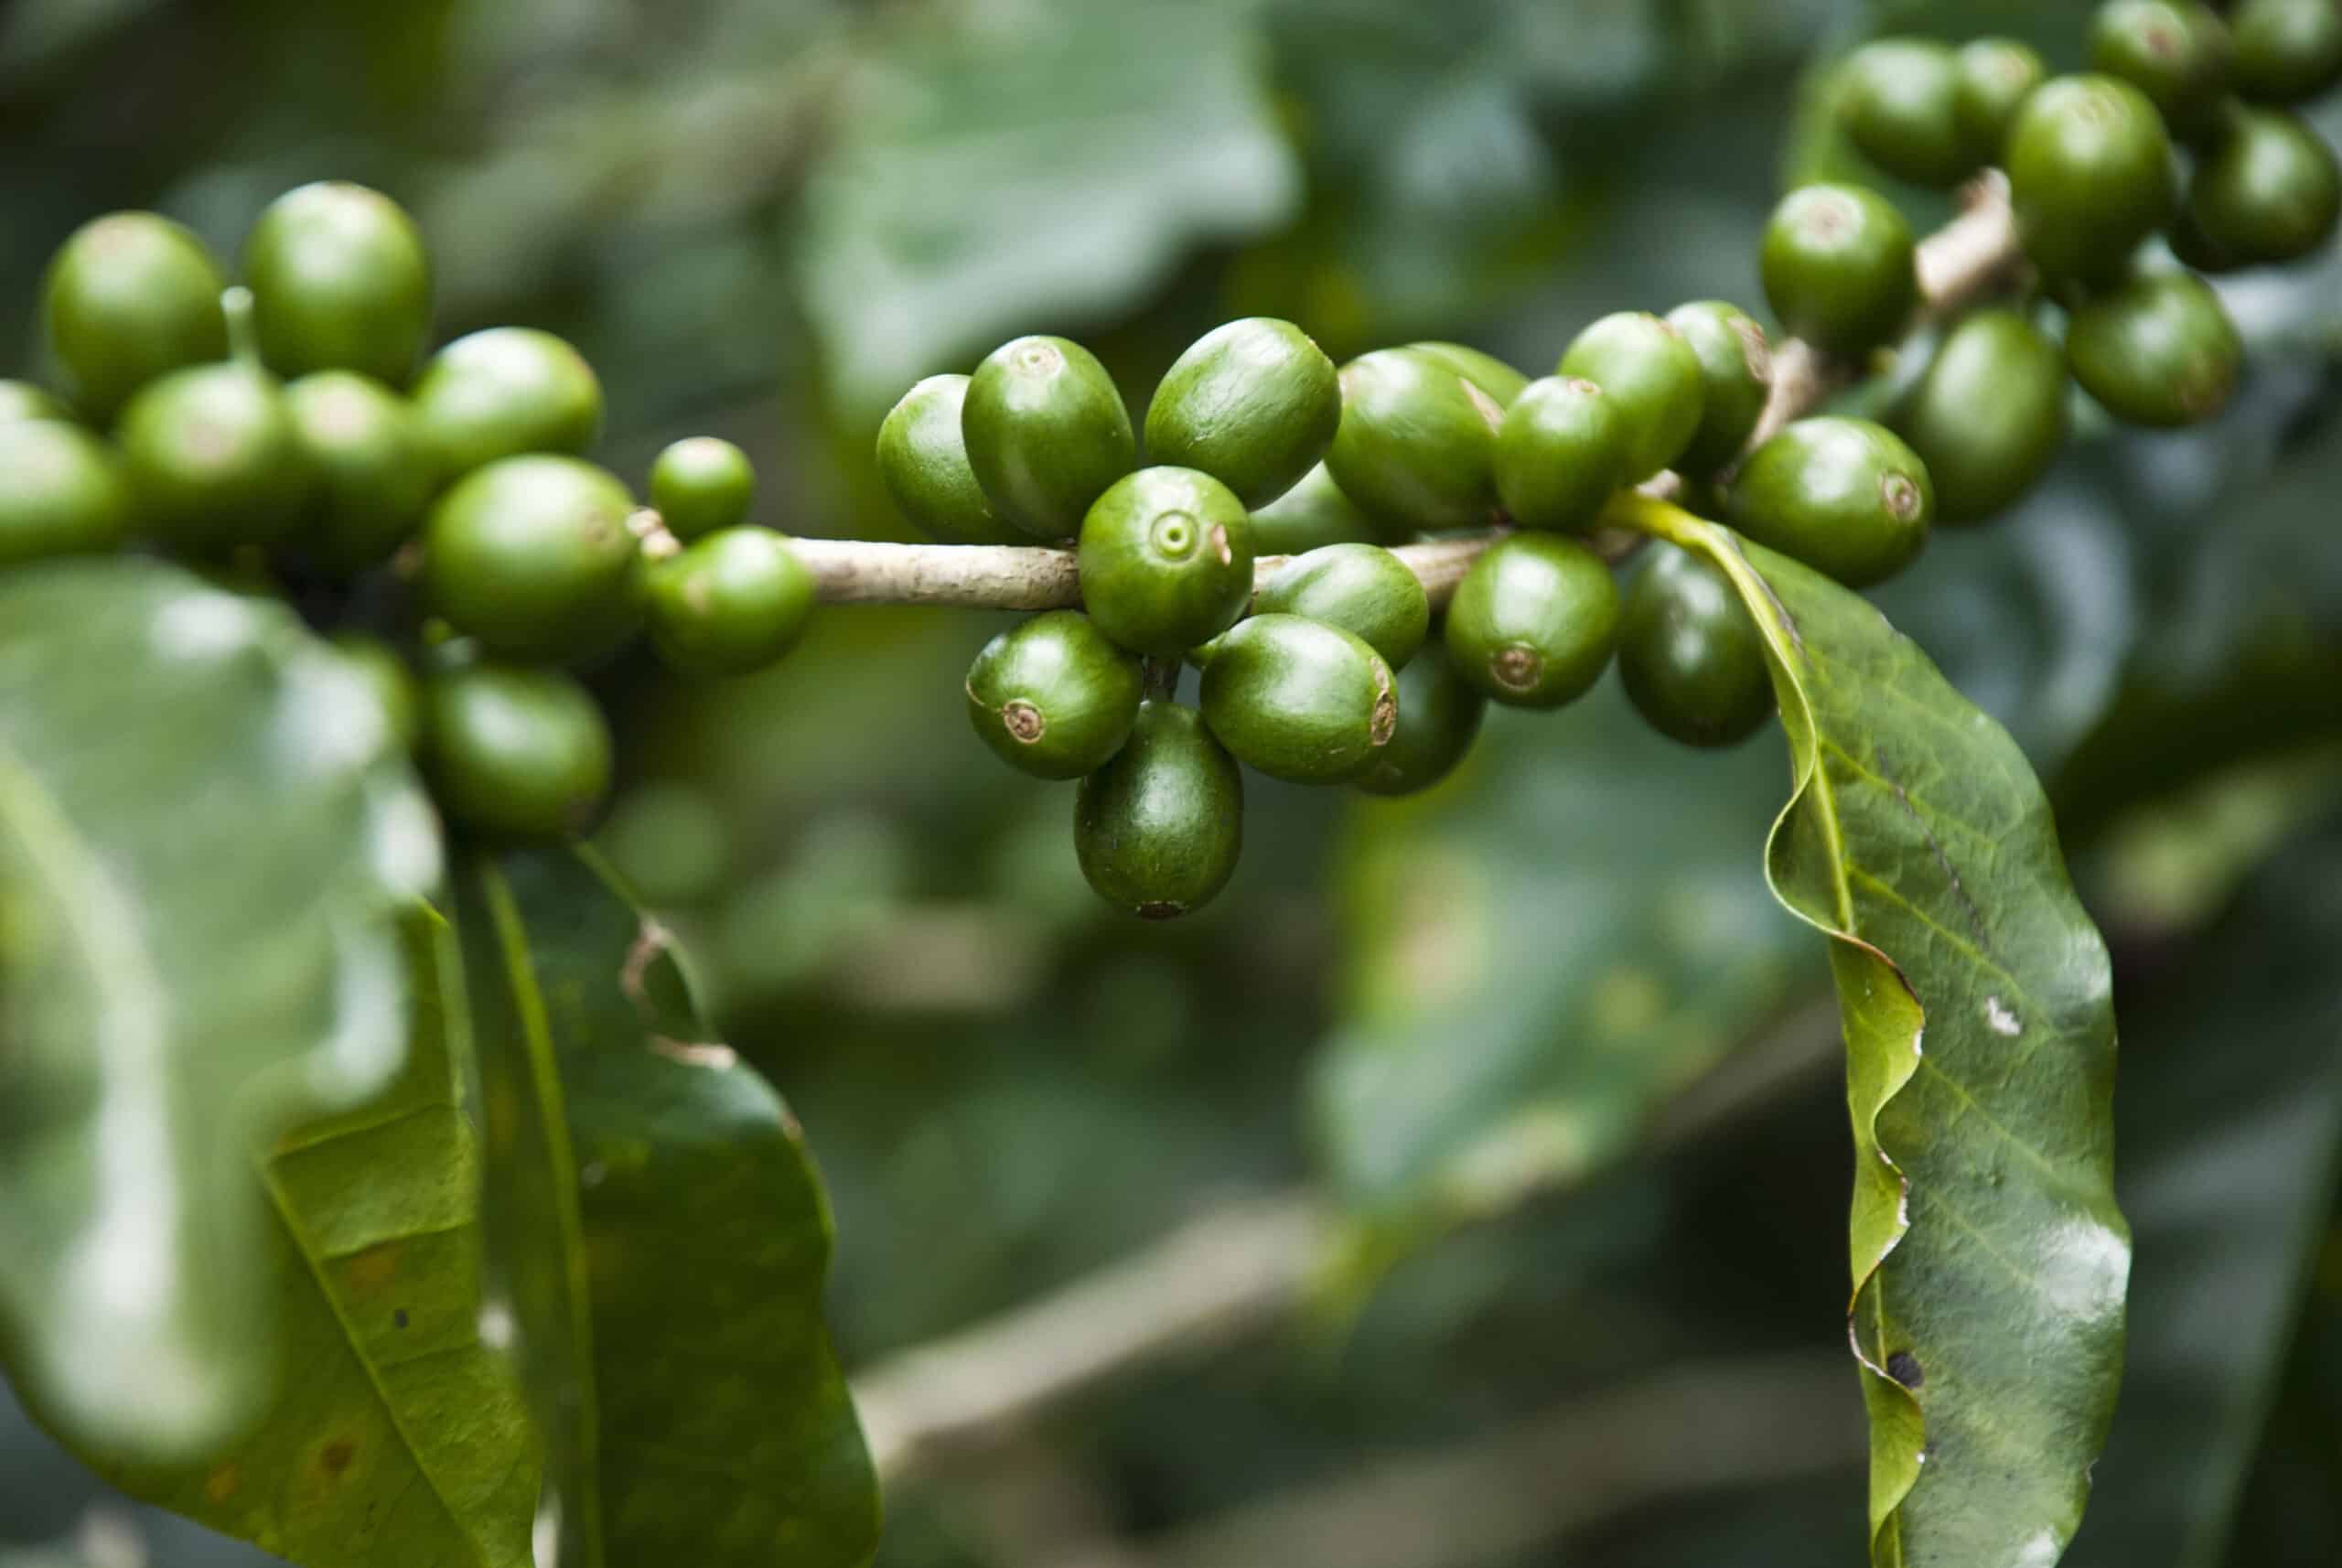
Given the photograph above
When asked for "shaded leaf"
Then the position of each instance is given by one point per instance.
(205, 834)
(663, 1237)
(1988, 1257)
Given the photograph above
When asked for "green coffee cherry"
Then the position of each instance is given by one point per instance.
(1299, 699)
(2269, 192)
(2089, 176)
(1439, 717)
(392, 685)
(532, 556)
(1534, 620)
(1989, 414)
(1899, 106)
(214, 459)
(700, 485)
(1560, 453)
(2160, 350)
(1312, 514)
(1996, 76)
(1416, 448)
(2286, 50)
(1839, 267)
(1690, 655)
(1845, 496)
(1361, 588)
(1736, 369)
(375, 475)
(1482, 369)
(523, 752)
(1653, 378)
(129, 297)
(733, 601)
(1053, 697)
(22, 400)
(1045, 433)
(61, 492)
(2174, 51)
(1166, 560)
(339, 281)
(923, 460)
(1158, 829)
(505, 392)
(1254, 404)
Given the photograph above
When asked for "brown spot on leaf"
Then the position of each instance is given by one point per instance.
(374, 1268)
(1905, 1368)
(222, 1483)
(335, 1457)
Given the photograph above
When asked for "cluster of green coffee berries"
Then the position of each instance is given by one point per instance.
(1326, 667)
(288, 434)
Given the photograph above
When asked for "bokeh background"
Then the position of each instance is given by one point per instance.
(1524, 1089)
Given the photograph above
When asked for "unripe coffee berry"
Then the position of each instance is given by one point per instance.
(1651, 377)
(22, 400)
(374, 471)
(214, 459)
(702, 484)
(1534, 620)
(1996, 76)
(1899, 106)
(1045, 433)
(1253, 403)
(1479, 367)
(1839, 265)
(532, 556)
(2174, 51)
(1158, 829)
(389, 680)
(1416, 447)
(523, 752)
(923, 461)
(2269, 192)
(2286, 50)
(1845, 496)
(1737, 367)
(2089, 176)
(1311, 515)
(61, 492)
(1560, 453)
(1361, 588)
(1690, 655)
(339, 281)
(1439, 717)
(1988, 415)
(2160, 350)
(733, 601)
(505, 392)
(1166, 560)
(1299, 699)
(129, 297)
(1053, 697)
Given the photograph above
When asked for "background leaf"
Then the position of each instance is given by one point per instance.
(159, 1013)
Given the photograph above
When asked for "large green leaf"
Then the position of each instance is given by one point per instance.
(399, 1438)
(205, 836)
(658, 1230)
(1988, 1257)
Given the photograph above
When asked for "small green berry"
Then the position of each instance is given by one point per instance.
(1159, 828)
(1312, 514)
(1166, 560)
(61, 492)
(700, 485)
(128, 297)
(1839, 267)
(1845, 496)
(2269, 192)
(923, 461)
(375, 476)
(505, 392)
(1534, 620)
(339, 281)
(2089, 172)
(1653, 378)
(1254, 404)
(1989, 414)
(728, 603)
(389, 680)
(1736, 366)
(1690, 655)
(1299, 699)
(2174, 51)
(532, 556)
(1361, 588)
(1996, 76)
(23, 400)
(1045, 433)
(2286, 50)
(523, 752)
(1560, 453)
(2160, 350)
(1482, 369)
(1899, 106)
(1439, 717)
(214, 459)
(1416, 447)
(1053, 697)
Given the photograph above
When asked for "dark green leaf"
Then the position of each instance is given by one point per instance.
(205, 836)
(1989, 1258)
(661, 1235)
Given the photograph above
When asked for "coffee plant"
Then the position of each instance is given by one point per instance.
(400, 1208)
